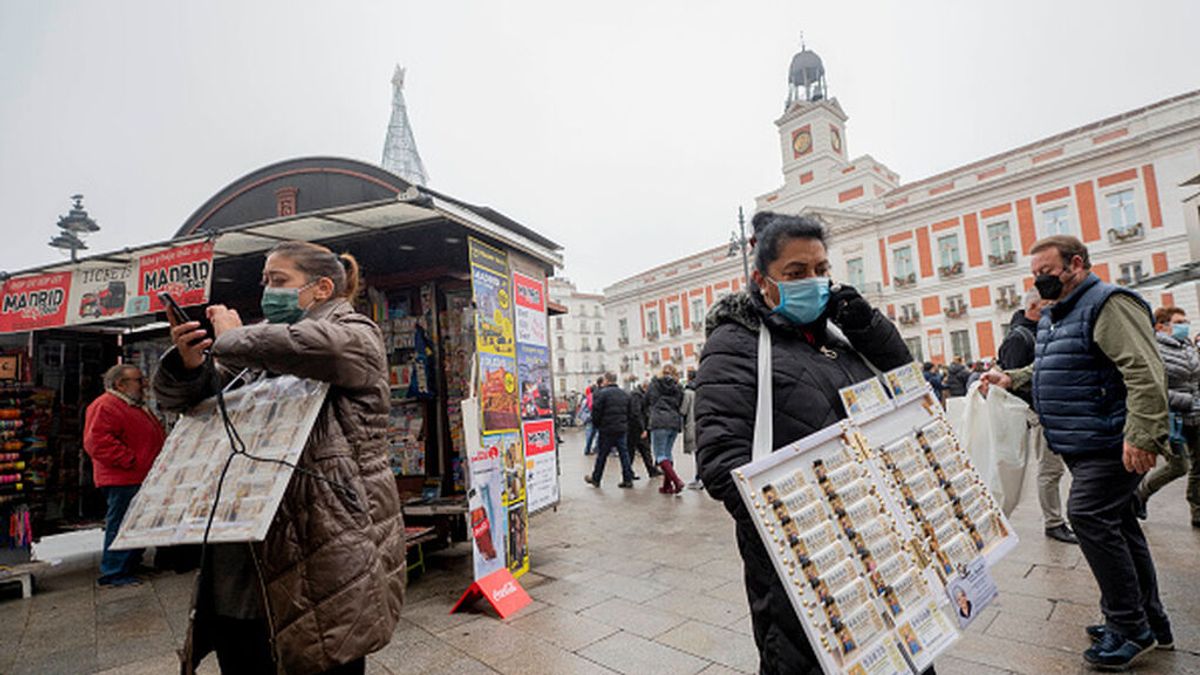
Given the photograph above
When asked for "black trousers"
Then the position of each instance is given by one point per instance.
(1100, 509)
(243, 648)
(639, 446)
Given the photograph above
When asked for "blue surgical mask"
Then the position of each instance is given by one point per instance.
(282, 305)
(802, 301)
(1180, 331)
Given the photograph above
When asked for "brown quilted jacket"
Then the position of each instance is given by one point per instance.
(333, 570)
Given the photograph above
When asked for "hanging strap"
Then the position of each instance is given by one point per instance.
(763, 419)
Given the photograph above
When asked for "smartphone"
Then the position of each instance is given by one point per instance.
(176, 315)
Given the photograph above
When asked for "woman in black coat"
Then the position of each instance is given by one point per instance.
(810, 363)
(664, 397)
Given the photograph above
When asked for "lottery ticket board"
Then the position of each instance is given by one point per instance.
(273, 416)
(868, 520)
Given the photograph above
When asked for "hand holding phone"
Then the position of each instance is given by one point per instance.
(191, 338)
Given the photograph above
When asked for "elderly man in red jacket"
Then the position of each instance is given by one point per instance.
(122, 437)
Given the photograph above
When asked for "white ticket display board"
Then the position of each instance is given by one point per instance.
(273, 417)
(868, 520)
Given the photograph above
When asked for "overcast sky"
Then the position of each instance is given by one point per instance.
(629, 132)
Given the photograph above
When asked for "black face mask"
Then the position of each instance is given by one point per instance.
(1049, 286)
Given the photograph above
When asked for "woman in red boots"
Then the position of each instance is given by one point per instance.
(663, 399)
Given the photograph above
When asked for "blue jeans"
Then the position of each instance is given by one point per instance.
(591, 436)
(606, 444)
(661, 442)
(117, 564)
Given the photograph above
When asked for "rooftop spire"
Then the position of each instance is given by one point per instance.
(400, 154)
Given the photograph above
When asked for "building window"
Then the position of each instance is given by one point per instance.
(698, 313)
(599, 344)
(949, 257)
(584, 345)
(652, 323)
(562, 385)
(905, 274)
(1000, 244)
(909, 314)
(854, 273)
(598, 327)
(622, 332)
(587, 365)
(914, 348)
(1123, 216)
(674, 320)
(558, 324)
(562, 363)
(1130, 273)
(1056, 221)
(560, 343)
(960, 344)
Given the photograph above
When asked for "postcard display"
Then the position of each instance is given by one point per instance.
(273, 417)
(868, 520)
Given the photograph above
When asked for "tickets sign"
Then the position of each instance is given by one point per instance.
(92, 293)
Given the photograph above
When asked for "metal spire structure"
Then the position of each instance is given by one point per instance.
(400, 154)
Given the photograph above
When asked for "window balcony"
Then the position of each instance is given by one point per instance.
(1008, 301)
(697, 326)
(910, 318)
(653, 337)
(1001, 259)
(951, 271)
(676, 331)
(955, 311)
(905, 281)
(622, 342)
(1125, 234)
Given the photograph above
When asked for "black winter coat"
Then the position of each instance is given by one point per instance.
(1016, 351)
(610, 410)
(663, 401)
(956, 379)
(805, 383)
(637, 412)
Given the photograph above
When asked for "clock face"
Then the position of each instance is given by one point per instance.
(836, 140)
(801, 142)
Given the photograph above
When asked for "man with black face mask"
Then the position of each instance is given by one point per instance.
(1100, 390)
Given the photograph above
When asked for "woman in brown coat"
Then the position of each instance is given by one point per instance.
(325, 587)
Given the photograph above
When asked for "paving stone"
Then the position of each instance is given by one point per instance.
(702, 608)
(1024, 605)
(684, 579)
(643, 620)
(720, 645)
(730, 591)
(1064, 637)
(630, 588)
(544, 659)
(633, 655)
(567, 630)
(568, 595)
(952, 665)
(422, 653)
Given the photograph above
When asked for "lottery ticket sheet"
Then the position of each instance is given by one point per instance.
(866, 568)
(273, 417)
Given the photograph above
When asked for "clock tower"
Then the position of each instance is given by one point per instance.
(812, 130)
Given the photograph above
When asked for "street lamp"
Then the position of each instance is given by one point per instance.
(739, 242)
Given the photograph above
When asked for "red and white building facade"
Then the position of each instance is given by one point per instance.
(948, 256)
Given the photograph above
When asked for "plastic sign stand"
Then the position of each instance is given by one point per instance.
(502, 591)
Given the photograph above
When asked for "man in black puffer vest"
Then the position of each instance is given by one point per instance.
(1101, 393)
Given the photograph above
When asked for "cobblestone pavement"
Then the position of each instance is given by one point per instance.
(629, 581)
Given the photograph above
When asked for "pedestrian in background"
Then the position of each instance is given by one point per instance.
(664, 398)
(688, 410)
(934, 379)
(585, 416)
(122, 437)
(1017, 351)
(956, 380)
(636, 439)
(610, 417)
(792, 300)
(1182, 363)
(1100, 390)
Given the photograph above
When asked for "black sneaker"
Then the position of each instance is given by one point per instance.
(1166, 641)
(1061, 533)
(625, 484)
(589, 481)
(1139, 507)
(1115, 652)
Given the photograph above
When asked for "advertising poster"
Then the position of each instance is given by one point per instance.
(541, 476)
(518, 539)
(513, 456)
(34, 302)
(533, 379)
(498, 393)
(104, 293)
(489, 519)
(531, 310)
(184, 271)
(493, 300)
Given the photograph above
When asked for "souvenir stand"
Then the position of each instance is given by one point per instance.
(880, 528)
